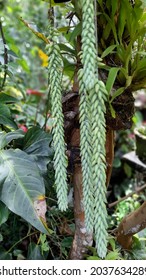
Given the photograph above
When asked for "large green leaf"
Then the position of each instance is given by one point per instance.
(6, 138)
(13, 135)
(37, 144)
(5, 98)
(21, 186)
(5, 117)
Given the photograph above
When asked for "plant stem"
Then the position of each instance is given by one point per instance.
(5, 57)
(21, 240)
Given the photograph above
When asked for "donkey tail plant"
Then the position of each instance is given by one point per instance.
(92, 129)
(55, 80)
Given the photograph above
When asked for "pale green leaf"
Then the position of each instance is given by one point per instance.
(3, 141)
(21, 186)
(34, 30)
(112, 255)
(108, 51)
(111, 78)
(113, 113)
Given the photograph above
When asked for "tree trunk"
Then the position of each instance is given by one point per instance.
(109, 153)
(82, 238)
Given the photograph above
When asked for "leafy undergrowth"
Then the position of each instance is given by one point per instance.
(28, 243)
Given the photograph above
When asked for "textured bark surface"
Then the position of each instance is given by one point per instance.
(130, 225)
(82, 239)
(109, 153)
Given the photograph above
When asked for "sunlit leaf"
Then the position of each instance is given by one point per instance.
(43, 57)
(35, 31)
(112, 255)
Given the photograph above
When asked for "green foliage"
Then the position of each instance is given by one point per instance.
(25, 103)
(125, 207)
(20, 178)
(121, 38)
(55, 90)
(4, 213)
(142, 130)
(113, 252)
(92, 132)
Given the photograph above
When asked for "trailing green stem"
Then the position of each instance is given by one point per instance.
(86, 155)
(92, 132)
(55, 87)
(98, 96)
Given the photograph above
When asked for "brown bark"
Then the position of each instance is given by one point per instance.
(72, 134)
(130, 225)
(82, 239)
(109, 153)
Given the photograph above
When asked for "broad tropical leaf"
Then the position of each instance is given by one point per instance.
(5, 117)
(37, 145)
(5, 98)
(21, 186)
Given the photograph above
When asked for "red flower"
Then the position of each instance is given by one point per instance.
(34, 92)
(23, 127)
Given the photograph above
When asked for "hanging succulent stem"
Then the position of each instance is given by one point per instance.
(86, 155)
(55, 86)
(99, 167)
(92, 132)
